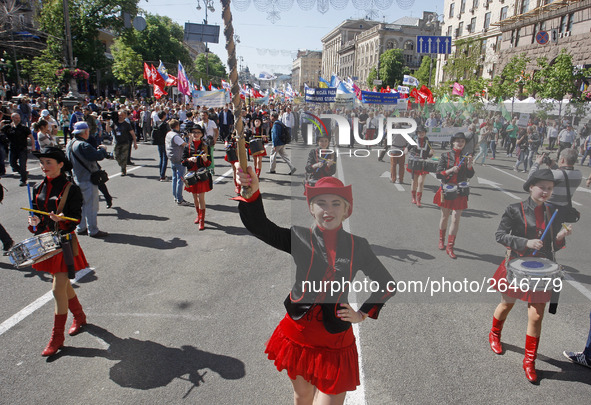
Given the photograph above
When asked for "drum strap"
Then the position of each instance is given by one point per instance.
(60, 209)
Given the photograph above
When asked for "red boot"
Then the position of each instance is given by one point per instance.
(414, 197)
(531, 352)
(494, 337)
(450, 246)
(79, 316)
(258, 173)
(198, 215)
(419, 196)
(202, 220)
(57, 335)
(441, 239)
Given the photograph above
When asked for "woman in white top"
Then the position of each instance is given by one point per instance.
(43, 136)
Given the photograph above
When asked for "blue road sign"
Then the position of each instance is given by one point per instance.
(433, 44)
(542, 37)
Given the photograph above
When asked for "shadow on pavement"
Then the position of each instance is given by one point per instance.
(144, 365)
(124, 214)
(145, 241)
(230, 230)
(401, 255)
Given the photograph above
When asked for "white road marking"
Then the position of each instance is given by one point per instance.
(584, 190)
(498, 187)
(356, 397)
(507, 173)
(35, 305)
(128, 171)
(577, 285)
(398, 186)
(220, 178)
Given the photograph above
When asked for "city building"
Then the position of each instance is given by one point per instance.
(353, 48)
(504, 28)
(306, 69)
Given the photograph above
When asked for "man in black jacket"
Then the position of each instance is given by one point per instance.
(17, 135)
(226, 120)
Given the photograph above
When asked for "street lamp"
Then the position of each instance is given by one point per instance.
(208, 4)
(73, 97)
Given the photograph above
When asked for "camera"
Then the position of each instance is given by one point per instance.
(546, 159)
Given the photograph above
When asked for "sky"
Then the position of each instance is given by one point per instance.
(269, 47)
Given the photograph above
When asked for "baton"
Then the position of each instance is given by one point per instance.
(31, 204)
(547, 227)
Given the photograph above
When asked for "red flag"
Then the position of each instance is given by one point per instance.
(414, 93)
(209, 87)
(157, 79)
(172, 81)
(159, 92)
(147, 73)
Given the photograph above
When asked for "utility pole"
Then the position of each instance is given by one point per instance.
(73, 96)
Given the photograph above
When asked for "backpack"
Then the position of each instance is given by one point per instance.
(285, 136)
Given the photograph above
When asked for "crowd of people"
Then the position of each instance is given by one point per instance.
(186, 138)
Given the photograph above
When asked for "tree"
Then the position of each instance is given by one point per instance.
(127, 65)
(465, 64)
(392, 67)
(428, 65)
(512, 80)
(45, 68)
(216, 67)
(373, 75)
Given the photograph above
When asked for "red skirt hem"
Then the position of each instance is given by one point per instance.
(304, 347)
(502, 285)
(56, 264)
(200, 187)
(460, 202)
(419, 172)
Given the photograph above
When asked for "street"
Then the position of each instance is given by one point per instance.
(182, 316)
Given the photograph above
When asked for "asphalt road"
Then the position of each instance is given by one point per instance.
(182, 316)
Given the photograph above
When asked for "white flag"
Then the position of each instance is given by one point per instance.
(410, 81)
(403, 90)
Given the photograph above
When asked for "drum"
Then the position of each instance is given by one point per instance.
(415, 164)
(202, 174)
(450, 191)
(256, 147)
(464, 189)
(430, 165)
(35, 249)
(533, 273)
(231, 154)
(190, 179)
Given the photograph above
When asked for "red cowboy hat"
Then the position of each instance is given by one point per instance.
(330, 185)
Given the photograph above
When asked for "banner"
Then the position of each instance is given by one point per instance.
(410, 81)
(444, 134)
(371, 97)
(210, 99)
(344, 100)
(319, 95)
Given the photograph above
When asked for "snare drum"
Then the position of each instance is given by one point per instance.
(464, 189)
(256, 147)
(231, 154)
(415, 164)
(430, 166)
(202, 174)
(35, 249)
(450, 191)
(528, 273)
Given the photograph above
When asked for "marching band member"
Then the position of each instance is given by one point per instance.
(423, 150)
(315, 341)
(48, 196)
(257, 132)
(231, 143)
(520, 230)
(197, 156)
(453, 168)
(321, 161)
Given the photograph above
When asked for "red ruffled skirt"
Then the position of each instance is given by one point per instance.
(416, 172)
(304, 347)
(199, 187)
(502, 285)
(459, 203)
(56, 264)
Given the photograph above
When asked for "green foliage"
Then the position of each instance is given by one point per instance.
(556, 80)
(45, 67)
(392, 67)
(216, 68)
(423, 73)
(465, 64)
(373, 75)
(127, 64)
(512, 80)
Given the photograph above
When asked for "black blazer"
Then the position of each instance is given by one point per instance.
(324, 171)
(446, 161)
(516, 229)
(72, 208)
(229, 119)
(306, 245)
(418, 152)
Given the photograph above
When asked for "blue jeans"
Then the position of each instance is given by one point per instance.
(587, 153)
(532, 153)
(163, 160)
(178, 171)
(90, 208)
(523, 158)
(18, 162)
(483, 151)
(493, 148)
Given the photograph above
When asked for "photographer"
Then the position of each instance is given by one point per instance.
(564, 166)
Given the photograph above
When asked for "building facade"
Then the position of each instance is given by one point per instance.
(505, 28)
(306, 69)
(353, 48)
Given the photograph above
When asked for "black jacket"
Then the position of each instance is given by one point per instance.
(307, 248)
(72, 208)
(446, 161)
(516, 229)
(421, 153)
(325, 170)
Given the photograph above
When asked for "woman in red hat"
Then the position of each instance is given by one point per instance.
(520, 230)
(197, 157)
(422, 150)
(453, 168)
(314, 342)
(47, 196)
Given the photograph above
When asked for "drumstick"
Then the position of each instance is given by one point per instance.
(547, 227)
(31, 203)
(47, 213)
